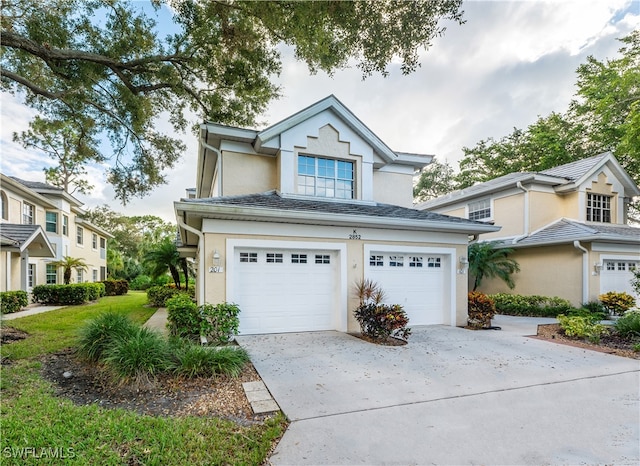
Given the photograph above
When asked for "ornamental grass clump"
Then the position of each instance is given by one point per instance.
(379, 321)
(101, 333)
(205, 361)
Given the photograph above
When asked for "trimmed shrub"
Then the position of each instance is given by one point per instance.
(183, 316)
(221, 322)
(377, 320)
(628, 325)
(77, 293)
(581, 327)
(617, 303)
(584, 312)
(481, 310)
(13, 301)
(202, 361)
(100, 333)
(116, 287)
(141, 282)
(531, 306)
(158, 295)
(139, 357)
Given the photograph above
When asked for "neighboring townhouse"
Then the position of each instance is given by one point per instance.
(285, 221)
(42, 223)
(567, 225)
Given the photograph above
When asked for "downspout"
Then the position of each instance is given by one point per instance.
(525, 226)
(216, 171)
(201, 258)
(585, 270)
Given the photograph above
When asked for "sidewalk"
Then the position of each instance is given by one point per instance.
(30, 310)
(158, 322)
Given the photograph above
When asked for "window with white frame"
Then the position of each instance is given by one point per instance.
(249, 257)
(94, 241)
(103, 248)
(31, 275)
(52, 274)
(79, 236)
(433, 262)
(480, 210)
(325, 177)
(396, 261)
(298, 258)
(415, 262)
(65, 225)
(27, 213)
(376, 260)
(80, 276)
(598, 208)
(95, 275)
(5, 206)
(51, 219)
(274, 258)
(323, 259)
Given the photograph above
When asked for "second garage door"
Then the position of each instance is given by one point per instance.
(415, 281)
(285, 290)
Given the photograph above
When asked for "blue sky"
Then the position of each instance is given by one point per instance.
(508, 64)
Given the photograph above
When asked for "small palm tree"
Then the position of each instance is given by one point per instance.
(164, 256)
(69, 264)
(487, 260)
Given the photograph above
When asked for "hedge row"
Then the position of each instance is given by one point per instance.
(158, 295)
(13, 301)
(532, 306)
(77, 293)
(115, 287)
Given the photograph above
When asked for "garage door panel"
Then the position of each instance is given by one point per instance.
(419, 289)
(296, 294)
(616, 275)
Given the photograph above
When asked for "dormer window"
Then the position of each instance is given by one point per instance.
(480, 210)
(598, 208)
(325, 177)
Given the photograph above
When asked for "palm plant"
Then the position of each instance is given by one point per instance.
(488, 260)
(164, 256)
(69, 264)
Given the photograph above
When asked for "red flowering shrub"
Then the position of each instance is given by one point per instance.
(481, 310)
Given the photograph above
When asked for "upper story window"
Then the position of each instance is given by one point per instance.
(28, 211)
(5, 206)
(94, 241)
(103, 248)
(480, 210)
(51, 222)
(325, 177)
(79, 235)
(598, 208)
(65, 225)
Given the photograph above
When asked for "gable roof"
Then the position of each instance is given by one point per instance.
(45, 189)
(19, 237)
(275, 207)
(565, 231)
(563, 178)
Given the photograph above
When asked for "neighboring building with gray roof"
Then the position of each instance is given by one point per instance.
(568, 226)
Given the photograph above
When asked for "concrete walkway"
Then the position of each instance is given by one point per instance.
(158, 322)
(451, 396)
(30, 310)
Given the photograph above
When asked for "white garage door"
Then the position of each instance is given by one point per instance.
(616, 276)
(415, 281)
(280, 290)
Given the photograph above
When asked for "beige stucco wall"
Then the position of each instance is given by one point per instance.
(456, 212)
(548, 271)
(215, 283)
(247, 174)
(393, 188)
(508, 213)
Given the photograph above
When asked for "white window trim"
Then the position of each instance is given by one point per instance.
(340, 315)
(354, 186)
(33, 213)
(490, 218)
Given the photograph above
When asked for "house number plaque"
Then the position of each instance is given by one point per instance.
(355, 235)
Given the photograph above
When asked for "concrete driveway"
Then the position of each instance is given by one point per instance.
(451, 396)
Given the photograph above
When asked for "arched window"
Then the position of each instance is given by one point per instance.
(5, 206)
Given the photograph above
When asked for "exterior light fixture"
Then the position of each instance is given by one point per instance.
(464, 263)
(597, 267)
(217, 261)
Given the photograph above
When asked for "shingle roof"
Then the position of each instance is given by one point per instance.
(35, 185)
(17, 233)
(575, 170)
(567, 231)
(274, 201)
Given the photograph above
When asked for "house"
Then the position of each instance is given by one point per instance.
(567, 226)
(42, 223)
(285, 221)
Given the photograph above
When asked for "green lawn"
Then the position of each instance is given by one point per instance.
(38, 428)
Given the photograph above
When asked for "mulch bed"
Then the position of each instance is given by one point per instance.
(610, 342)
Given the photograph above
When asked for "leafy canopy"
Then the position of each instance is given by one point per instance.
(108, 69)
